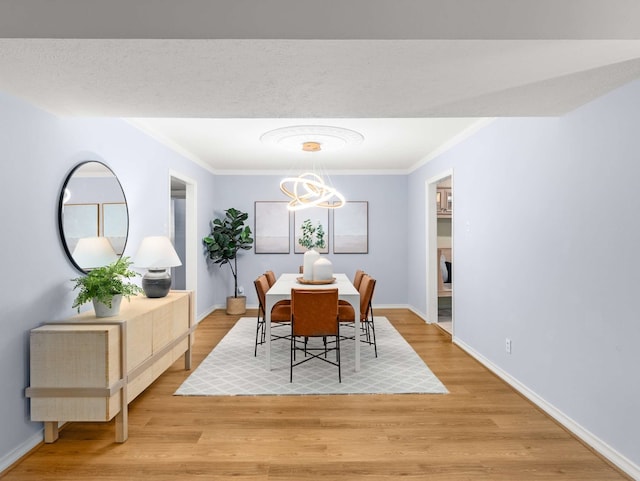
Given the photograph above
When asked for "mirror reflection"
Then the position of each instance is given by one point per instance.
(93, 216)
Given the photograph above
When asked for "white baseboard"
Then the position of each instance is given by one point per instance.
(420, 314)
(208, 311)
(583, 434)
(20, 451)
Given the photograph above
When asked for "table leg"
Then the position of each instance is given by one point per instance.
(50, 431)
(122, 418)
(355, 304)
(267, 338)
(187, 356)
(122, 428)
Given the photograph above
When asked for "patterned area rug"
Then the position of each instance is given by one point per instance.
(232, 370)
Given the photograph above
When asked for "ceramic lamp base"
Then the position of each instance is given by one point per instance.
(156, 283)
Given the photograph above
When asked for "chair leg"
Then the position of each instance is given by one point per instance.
(292, 357)
(338, 358)
(260, 328)
(373, 332)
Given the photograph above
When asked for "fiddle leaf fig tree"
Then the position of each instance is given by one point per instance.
(228, 236)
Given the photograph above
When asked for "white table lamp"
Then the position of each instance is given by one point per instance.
(92, 252)
(156, 254)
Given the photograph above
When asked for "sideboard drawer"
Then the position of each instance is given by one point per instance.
(64, 357)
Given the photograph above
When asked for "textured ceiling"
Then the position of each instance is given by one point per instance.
(212, 88)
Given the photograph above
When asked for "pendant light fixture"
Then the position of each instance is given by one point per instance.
(313, 187)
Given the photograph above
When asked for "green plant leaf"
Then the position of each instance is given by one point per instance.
(105, 282)
(311, 236)
(228, 236)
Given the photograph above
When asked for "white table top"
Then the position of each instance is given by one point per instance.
(286, 282)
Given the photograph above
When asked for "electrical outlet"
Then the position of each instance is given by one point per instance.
(240, 290)
(507, 345)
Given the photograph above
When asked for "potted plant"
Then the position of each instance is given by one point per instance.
(106, 286)
(312, 238)
(228, 236)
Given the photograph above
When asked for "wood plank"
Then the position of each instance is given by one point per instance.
(482, 430)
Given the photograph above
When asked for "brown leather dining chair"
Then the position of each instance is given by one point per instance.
(346, 314)
(271, 277)
(314, 313)
(271, 280)
(357, 279)
(280, 313)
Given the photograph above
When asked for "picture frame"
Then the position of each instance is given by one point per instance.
(272, 230)
(315, 215)
(78, 221)
(351, 228)
(115, 224)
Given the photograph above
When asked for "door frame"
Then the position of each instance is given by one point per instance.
(433, 266)
(191, 231)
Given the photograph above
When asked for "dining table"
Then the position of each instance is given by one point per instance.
(281, 290)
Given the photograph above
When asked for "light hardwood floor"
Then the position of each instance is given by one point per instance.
(482, 430)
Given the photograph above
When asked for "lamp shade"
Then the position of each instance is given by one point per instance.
(92, 252)
(156, 252)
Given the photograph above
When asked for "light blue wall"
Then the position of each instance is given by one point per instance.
(546, 239)
(387, 257)
(549, 257)
(37, 150)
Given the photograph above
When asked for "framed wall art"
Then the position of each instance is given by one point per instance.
(351, 228)
(78, 221)
(272, 233)
(115, 224)
(317, 216)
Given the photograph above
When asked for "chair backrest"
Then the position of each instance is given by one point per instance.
(367, 286)
(301, 269)
(357, 278)
(314, 312)
(262, 286)
(271, 277)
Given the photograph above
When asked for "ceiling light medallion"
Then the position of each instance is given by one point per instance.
(310, 189)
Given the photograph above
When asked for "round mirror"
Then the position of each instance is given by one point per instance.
(92, 216)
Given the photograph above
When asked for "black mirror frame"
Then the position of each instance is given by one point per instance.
(61, 205)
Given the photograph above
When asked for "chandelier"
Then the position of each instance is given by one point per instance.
(310, 189)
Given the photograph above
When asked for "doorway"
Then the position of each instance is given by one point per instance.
(440, 251)
(179, 231)
(444, 214)
(182, 226)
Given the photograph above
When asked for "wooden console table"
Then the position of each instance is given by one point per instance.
(88, 368)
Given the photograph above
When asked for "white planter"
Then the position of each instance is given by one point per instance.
(310, 257)
(103, 310)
